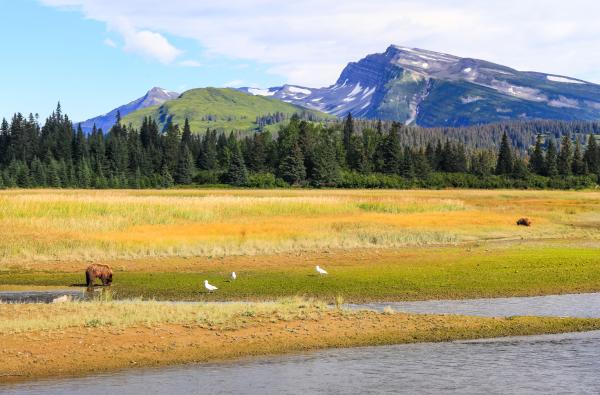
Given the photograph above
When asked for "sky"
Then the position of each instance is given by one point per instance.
(94, 55)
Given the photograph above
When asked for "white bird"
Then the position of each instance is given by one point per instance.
(209, 287)
(233, 276)
(320, 270)
(62, 299)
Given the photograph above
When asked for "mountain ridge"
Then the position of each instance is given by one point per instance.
(429, 88)
(154, 96)
(220, 108)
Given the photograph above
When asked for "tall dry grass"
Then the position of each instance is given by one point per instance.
(89, 225)
(19, 318)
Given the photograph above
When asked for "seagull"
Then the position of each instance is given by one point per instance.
(233, 276)
(209, 287)
(320, 270)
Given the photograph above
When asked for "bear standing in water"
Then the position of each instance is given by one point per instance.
(103, 272)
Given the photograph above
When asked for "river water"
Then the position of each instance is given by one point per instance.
(552, 364)
(570, 305)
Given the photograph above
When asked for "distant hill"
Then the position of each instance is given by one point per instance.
(427, 88)
(153, 97)
(221, 108)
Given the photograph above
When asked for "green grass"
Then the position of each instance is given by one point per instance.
(442, 273)
(229, 110)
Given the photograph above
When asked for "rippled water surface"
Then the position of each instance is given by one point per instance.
(567, 363)
(40, 296)
(573, 305)
(551, 364)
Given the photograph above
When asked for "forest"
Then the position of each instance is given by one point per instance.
(348, 153)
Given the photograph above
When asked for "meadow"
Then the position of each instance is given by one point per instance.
(377, 245)
(85, 225)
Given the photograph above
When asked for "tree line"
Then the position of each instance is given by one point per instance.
(349, 153)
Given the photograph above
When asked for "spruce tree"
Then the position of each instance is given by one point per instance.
(291, 167)
(520, 170)
(166, 177)
(579, 166)
(565, 157)
(186, 136)
(326, 171)
(505, 157)
(185, 166)
(551, 160)
(348, 133)
(537, 161)
(38, 173)
(592, 155)
(392, 151)
(171, 147)
(236, 173)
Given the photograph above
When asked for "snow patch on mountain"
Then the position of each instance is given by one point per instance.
(470, 99)
(297, 89)
(563, 102)
(260, 92)
(556, 78)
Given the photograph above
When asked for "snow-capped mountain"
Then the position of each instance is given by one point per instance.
(429, 88)
(153, 97)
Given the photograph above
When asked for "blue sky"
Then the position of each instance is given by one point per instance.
(59, 55)
(94, 55)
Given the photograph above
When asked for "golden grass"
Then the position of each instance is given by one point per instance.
(19, 318)
(87, 225)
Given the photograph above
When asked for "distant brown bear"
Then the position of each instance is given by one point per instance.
(103, 272)
(524, 222)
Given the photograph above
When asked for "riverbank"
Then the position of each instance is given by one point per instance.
(73, 339)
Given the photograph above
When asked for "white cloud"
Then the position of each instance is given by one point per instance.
(190, 63)
(110, 43)
(310, 41)
(144, 42)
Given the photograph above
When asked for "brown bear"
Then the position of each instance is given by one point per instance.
(94, 271)
(524, 222)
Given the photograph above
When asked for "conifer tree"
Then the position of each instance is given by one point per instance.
(505, 157)
(237, 173)
(348, 133)
(38, 173)
(537, 161)
(166, 177)
(551, 160)
(592, 155)
(185, 166)
(171, 147)
(579, 166)
(326, 171)
(565, 157)
(291, 168)
(392, 151)
(186, 136)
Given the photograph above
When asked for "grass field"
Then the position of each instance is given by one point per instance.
(54, 225)
(357, 276)
(377, 245)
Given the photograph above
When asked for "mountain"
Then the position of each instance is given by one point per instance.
(427, 88)
(154, 96)
(221, 108)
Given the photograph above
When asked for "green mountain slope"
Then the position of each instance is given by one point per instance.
(219, 108)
